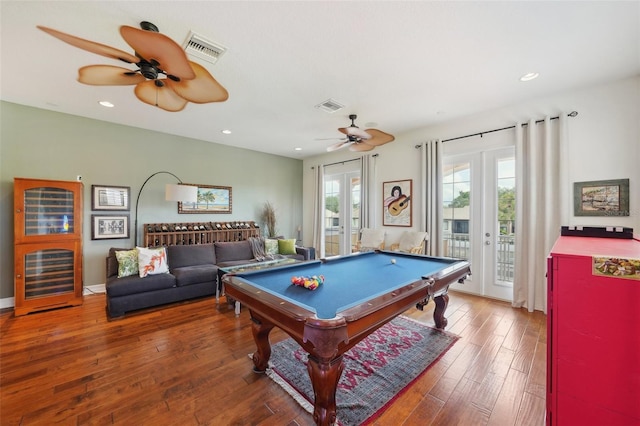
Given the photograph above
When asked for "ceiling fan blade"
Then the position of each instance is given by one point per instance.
(91, 46)
(361, 147)
(108, 75)
(153, 46)
(337, 146)
(202, 89)
(355, 131)
(378, 137)
(161, 97)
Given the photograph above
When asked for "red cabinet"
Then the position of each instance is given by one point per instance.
(593, 329)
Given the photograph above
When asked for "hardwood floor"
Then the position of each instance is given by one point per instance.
(187, 365)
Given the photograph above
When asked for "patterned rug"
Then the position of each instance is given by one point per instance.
(377, 370)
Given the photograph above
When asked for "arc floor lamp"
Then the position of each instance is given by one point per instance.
(172, 192)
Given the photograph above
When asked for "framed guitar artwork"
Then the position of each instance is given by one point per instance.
(397, 205)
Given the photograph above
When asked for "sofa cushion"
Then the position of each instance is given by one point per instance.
(152, 261)
(191, 255)
(195, 274)
(133, 284)
(287, 246)
(127, 262)
(232, 251)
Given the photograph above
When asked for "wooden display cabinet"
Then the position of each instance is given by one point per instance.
(47, 244)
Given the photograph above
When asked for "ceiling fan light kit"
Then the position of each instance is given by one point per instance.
(156, 55)
(361, 140)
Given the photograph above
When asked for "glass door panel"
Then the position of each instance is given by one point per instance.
(478, 219)
(342, 208)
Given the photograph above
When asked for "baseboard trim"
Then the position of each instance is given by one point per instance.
(94, 289)
(10, 302)
(7, 302)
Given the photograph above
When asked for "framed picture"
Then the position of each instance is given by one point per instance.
(110, 197)
(601, 198)
(109, 227)
(397, 204)
(211, 199)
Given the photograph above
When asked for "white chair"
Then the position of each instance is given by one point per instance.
(370, 239)
(411, 242)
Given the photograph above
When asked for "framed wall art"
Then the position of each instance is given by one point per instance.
(211, 199)
(601, 198)
(110, 197)
(109, 227)
(397, 204)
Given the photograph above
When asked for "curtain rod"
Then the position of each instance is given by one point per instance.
(571, 114)
(342, 162)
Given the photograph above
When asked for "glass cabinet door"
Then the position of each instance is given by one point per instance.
(47, 275)
(48, 210)
(48, 272)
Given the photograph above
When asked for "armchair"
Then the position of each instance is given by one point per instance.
(411, 242)
(370, 239)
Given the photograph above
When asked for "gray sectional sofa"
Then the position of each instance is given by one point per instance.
(193, 273)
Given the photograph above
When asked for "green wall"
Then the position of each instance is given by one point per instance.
(36, 143)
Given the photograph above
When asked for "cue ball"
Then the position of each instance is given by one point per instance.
(393, 261)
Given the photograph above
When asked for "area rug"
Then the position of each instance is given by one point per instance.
(377, 370)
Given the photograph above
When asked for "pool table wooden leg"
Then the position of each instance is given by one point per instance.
(261, 329)
(325, 375)
(438, 313)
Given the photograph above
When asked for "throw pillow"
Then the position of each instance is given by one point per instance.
(127, 262)
(411, 240)
(287, 246)
(372, 238)
(152, 261)
(270, 246)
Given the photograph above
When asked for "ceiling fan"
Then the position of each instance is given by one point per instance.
(361, 140)
(165, 78)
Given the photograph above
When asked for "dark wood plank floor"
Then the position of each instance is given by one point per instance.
(187, 365)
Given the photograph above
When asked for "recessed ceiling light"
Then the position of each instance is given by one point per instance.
(106, 104)
(297, 149)
(529, 76)
(226, 131)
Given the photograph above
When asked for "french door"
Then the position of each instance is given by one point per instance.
(342, 208)
(479, 217)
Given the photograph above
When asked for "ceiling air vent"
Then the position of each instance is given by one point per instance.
(200, 47)
(330, 105)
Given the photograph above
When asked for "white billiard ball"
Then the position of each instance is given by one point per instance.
(393, 261)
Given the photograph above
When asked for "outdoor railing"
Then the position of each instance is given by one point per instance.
(458, 246)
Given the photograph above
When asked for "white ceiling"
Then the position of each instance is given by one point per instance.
(399, 65)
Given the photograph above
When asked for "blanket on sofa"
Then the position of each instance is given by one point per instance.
(257, 247)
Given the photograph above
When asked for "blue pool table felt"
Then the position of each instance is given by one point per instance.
(349, 280)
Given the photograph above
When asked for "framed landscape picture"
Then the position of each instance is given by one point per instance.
(601, 198)
(211, 199)
(397, 204)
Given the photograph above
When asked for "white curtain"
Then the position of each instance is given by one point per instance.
(318, 209)
(431, 176)
(540, 193)
(366, 208)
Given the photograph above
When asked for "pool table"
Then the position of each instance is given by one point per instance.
(361, 292)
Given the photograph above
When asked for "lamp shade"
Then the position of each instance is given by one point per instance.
(182, 193)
